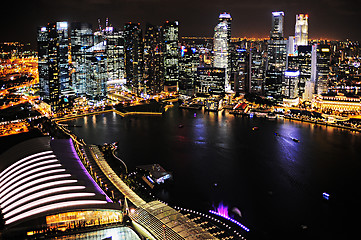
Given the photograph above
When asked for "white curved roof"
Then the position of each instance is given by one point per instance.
(42, 178)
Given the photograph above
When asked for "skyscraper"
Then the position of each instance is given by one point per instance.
(133, 46)
(153, 59)
(96, 84)
(43, 67)
(63, 56)
(322, 66)
(301, 30)
(171, 56)
(53, 46)
(188, 64)
(257, 70)
(240, 68)
(277, 58)
(81, 35)
(277, 25)
(53, 68)
(115, 53)
(222, 45)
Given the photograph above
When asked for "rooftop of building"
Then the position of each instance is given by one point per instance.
(44, 176)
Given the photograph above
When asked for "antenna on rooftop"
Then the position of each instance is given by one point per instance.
(99, 25)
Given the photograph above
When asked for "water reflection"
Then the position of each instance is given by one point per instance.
(276, 181)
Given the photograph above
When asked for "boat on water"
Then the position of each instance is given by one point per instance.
(271, 116)
(193, 106)
(255, 128)
(180, 125)
(295, 139)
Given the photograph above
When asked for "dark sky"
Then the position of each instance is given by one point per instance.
(332, 19)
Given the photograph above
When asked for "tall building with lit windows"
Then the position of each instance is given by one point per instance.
(277, 58)
(133, 46)
(323, 68)
(301, 30)
(82, 38)
(222, 46)
(277, 25)
(171, 56)
(153, 59)
(53, 45)
(115, 54)
(43, 67)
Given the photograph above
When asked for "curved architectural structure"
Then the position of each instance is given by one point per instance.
(42, 177)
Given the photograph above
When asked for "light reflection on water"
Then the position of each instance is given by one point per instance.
(276, 182)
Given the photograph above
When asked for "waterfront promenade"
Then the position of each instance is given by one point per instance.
(293, 118)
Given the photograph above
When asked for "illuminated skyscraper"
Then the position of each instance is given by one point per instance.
(43, 67)
(277, 25)
(171, 56)
(153, 59)
(53, 45)
(257, 70)
(240, 69)
(277, 58)
(114, 53)
(81, 35)
(222, 43)
(323, 68)
(63, 56)
(133, 45)
(301, 30)
(188, 64)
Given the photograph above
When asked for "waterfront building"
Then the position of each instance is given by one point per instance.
(301, 30)
(133, 46)
(188, 64)
(222, 46)
(171, 56)
(337, 102)
(277, 58)
(305, 63)
(323, 68)
(210, 80)
(153, 59)
(81, 36)
(290, 85)
(307, 67)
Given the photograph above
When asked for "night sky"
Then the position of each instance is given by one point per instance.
(331, 19)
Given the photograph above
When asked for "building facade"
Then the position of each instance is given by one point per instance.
(222, 46)
(171, 53)
(301, 30)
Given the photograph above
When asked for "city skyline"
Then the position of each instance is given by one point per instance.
(327, 20)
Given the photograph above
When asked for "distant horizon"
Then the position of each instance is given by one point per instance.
(209, 37)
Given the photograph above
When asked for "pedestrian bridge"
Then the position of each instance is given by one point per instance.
(162, 221)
